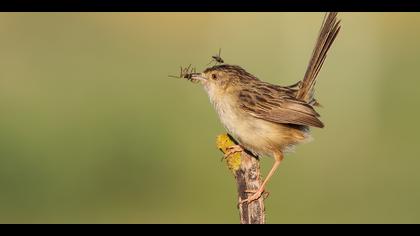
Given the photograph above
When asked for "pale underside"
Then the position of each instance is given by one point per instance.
(257, 135)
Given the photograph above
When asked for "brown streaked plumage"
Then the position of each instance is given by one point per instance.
(264, 118)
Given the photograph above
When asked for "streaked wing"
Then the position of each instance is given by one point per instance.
(278, 104)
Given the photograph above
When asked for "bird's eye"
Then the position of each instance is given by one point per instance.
(213, 76)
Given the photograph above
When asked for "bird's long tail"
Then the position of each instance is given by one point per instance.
(328, 32)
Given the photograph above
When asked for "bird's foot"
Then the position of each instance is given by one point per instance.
(232, 150)
(256, 195)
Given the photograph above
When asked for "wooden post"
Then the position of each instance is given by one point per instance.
(246, 169)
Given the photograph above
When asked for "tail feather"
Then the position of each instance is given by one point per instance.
(327, 34)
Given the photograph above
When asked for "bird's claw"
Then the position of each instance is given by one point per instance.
(232, 150)
(256, 195)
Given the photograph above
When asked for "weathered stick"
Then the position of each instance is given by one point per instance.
(246, 169)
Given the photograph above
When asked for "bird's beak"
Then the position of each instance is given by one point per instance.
(197, 77)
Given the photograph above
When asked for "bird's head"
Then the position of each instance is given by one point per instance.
(223, 77)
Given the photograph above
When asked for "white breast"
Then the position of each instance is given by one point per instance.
(226, 109)
(252, 133)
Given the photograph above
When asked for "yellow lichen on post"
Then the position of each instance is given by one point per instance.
(233, 162)
(246, 170)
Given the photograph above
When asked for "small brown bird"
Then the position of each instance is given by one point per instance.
(264, 118)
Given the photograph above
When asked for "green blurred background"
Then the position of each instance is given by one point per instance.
(92, 130)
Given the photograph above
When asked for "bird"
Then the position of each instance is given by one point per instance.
(263, 118)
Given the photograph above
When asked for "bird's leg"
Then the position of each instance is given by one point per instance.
(278, 156)
(233, 149)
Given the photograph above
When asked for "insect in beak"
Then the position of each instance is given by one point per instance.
(190, 74)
